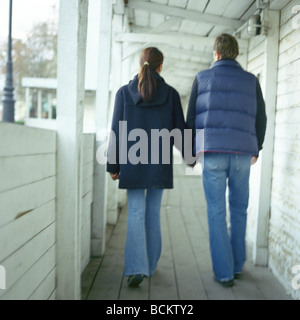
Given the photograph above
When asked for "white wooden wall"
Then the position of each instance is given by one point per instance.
(284, 228)
(27, 211)
(284, 221)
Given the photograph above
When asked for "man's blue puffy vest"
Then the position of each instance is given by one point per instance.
(226, 108)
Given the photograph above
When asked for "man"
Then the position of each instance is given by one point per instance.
(227, 103)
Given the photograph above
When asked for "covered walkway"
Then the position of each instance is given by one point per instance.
(184, 271)
(62, 219)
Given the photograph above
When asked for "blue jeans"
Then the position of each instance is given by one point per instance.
(143, 241)
(228, 251)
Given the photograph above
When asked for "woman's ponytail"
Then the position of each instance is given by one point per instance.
(150, 59)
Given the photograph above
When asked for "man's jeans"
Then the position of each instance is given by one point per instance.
(143, 242)
(228, 251)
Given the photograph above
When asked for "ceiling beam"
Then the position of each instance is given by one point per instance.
(188, 65)
(184, 14)
(191, 53)
(278, 4)
(163, 38)
(171, 39)
(161, 28)
(187, 74)
(166, 25)
(243, 43)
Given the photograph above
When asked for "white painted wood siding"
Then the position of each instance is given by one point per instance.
(27, 211)
(284, 229)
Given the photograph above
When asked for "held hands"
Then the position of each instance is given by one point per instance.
(115, 176)
(253, 160)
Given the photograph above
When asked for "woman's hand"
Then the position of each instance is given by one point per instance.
(115, 176)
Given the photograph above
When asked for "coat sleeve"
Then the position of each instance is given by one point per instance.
(261, 118)
(113, 161)
(178, 122)
(191, 113)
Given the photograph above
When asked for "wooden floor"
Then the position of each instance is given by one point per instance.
(184, 271)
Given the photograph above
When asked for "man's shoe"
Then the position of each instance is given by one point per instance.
(226, 283)
(237, 276)
(135, 280)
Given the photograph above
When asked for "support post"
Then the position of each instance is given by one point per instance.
(39, 103)
(27, 102)
(269, 88)
(70, 96)
(117, 50)
(101, 116)
(49, 97)
(8, 113)
(126, 77)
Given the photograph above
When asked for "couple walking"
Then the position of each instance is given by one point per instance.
(227, 103)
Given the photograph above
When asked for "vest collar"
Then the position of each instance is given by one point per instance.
(226, 62)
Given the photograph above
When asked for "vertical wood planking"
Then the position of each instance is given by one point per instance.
(70, 96)
(102, 102)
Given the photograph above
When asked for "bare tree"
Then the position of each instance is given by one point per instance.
(35, 57)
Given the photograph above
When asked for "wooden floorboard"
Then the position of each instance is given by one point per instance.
(163, 285)
(184, 271)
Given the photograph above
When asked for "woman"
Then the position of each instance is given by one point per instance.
(147, 104)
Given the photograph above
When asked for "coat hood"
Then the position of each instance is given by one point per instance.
(160, 97)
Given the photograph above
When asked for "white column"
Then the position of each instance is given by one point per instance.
(70, 97)
(126, 77)
(28, 102)
(269, 88)
(39, 103)
(101, 115)
(49, 96)
(112, 186)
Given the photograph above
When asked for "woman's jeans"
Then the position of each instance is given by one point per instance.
(143, 242)
(228, 252)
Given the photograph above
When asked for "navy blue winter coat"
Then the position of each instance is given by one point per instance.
(163, 112)
(227, 103)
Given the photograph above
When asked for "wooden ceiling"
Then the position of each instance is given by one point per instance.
(184, 30)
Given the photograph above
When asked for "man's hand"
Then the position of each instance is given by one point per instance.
(115, 176)
(253, 160)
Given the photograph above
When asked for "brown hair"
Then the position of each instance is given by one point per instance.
(227, 46)
(150, 59)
